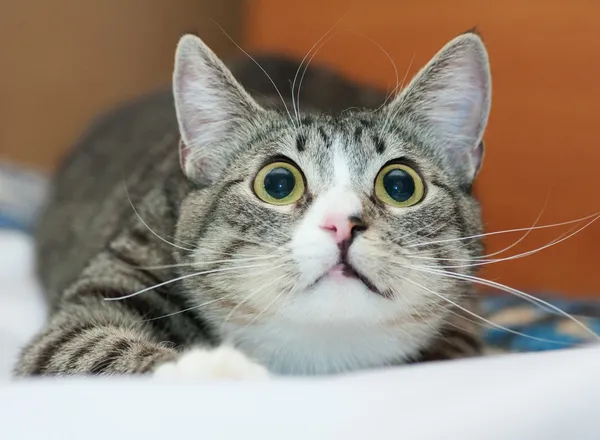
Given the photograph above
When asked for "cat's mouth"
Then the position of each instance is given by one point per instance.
(345, 270)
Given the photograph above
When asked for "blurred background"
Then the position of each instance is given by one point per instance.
(66, 61)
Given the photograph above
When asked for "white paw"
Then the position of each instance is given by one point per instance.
(220, 363)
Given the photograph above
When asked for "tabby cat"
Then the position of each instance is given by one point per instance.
(220, 234)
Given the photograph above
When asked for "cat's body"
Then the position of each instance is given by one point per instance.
(124, 218)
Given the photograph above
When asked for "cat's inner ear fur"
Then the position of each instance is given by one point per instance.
(213, 110)
(448, 103)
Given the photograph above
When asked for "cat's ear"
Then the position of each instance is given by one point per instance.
(449, 102)
(213, 110)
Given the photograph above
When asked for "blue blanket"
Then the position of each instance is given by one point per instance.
(540, 328)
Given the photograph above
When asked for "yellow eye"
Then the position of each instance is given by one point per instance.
(279, 183)
(399, 185)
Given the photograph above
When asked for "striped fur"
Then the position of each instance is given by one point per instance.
(122, 211)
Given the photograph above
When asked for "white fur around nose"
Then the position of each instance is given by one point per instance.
(314, 249)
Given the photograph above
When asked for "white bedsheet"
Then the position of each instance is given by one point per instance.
(22, 310)
(537, 396)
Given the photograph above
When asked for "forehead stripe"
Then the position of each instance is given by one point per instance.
(358, 134)
(324, 137)
(379, 144)
(301, 143)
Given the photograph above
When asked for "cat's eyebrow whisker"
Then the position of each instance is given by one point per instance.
(260, 67)
(306, 69)
(507, 289)
(507, 231)
(560, 239)
(294, 105)
(349, 109)
(183, 277)
(475, 315)
(148, 227)
(397, 76)
(399, 87)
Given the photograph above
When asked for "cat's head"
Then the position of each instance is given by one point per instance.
(319, 231)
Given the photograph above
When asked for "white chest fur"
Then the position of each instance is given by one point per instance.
(321, 349)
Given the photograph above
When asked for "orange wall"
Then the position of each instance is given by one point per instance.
(543, 140)
(65, 61)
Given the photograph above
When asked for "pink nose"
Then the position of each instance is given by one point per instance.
(341, 226)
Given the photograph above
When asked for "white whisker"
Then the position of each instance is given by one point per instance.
(416, 231)
(253, 320)
(306, 69)
(183, 277)
(554, 242)
(297, 108)
(260, 67)
(511, 290)
(149, 228)
(393, 113)
(254, 292)
(413, 309)
(204, 263)
(501, 251)
(197, 306)
(487, 234)
(396, 74)
(487, 321)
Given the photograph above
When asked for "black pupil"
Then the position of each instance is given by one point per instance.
(279, 183)
(399, 184)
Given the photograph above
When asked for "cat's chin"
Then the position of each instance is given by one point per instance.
(343, 272)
